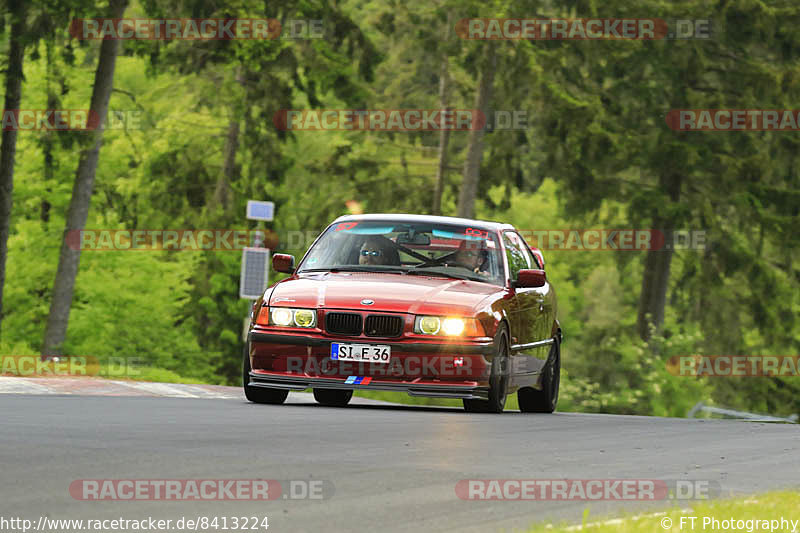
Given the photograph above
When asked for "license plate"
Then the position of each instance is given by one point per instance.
(367, 353)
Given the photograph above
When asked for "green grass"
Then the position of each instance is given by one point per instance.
(767, 506)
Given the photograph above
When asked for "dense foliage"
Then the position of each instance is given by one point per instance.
(596, 153)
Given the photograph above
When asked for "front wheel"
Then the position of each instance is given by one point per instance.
(498, 382)
(259, 394)
(544, 400)
(333, 397)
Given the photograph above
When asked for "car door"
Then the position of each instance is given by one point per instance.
(547, 293)
(528, 310)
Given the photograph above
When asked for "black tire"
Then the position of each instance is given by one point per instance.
(544, 400)
(498, 381)
(259, 394)
(333, 397)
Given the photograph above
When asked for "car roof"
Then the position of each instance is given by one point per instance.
(395, 217)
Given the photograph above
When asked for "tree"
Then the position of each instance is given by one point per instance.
(69, 259)
(14, 77)
(602, 109)
(444, 135)
(472, 163)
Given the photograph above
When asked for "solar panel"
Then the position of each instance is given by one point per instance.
(260, 210)
(255, 273)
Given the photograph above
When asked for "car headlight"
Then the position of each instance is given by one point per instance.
(453, 326)
(281, 316)
(448, 326)
(287, 316)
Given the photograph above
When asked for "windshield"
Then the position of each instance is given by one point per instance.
(446, 250)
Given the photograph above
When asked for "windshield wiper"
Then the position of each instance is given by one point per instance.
(353, 268)
(439, 273)
(332, 269)
(448, 274)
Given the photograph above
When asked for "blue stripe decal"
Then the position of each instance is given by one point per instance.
(350, 380)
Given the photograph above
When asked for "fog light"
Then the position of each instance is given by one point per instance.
(429, 325)
(304, 318)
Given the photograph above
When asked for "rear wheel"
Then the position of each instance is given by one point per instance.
(333, 397)
(259, 394)
(498, 382)
(544, 400)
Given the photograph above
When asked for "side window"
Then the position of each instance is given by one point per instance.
(516, 254)
(535, 260)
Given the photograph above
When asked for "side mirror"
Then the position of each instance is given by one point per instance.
(530, 277)
(283, 263)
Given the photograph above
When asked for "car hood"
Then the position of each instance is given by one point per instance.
(389, 292)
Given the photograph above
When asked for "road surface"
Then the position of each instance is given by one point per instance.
(392, 468)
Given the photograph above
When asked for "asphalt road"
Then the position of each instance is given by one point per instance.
(393, 468)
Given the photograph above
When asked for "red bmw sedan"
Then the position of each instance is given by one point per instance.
(432, 306)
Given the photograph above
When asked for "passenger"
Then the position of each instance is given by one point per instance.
(472, 255)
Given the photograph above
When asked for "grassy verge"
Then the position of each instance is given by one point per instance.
(771, 506)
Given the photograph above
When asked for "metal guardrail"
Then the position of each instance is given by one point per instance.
(732, 413)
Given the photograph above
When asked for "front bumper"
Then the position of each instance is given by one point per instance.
(274, 380)
(418, 367)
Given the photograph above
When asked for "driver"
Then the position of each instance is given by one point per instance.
(472, 255)
(377, 251)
